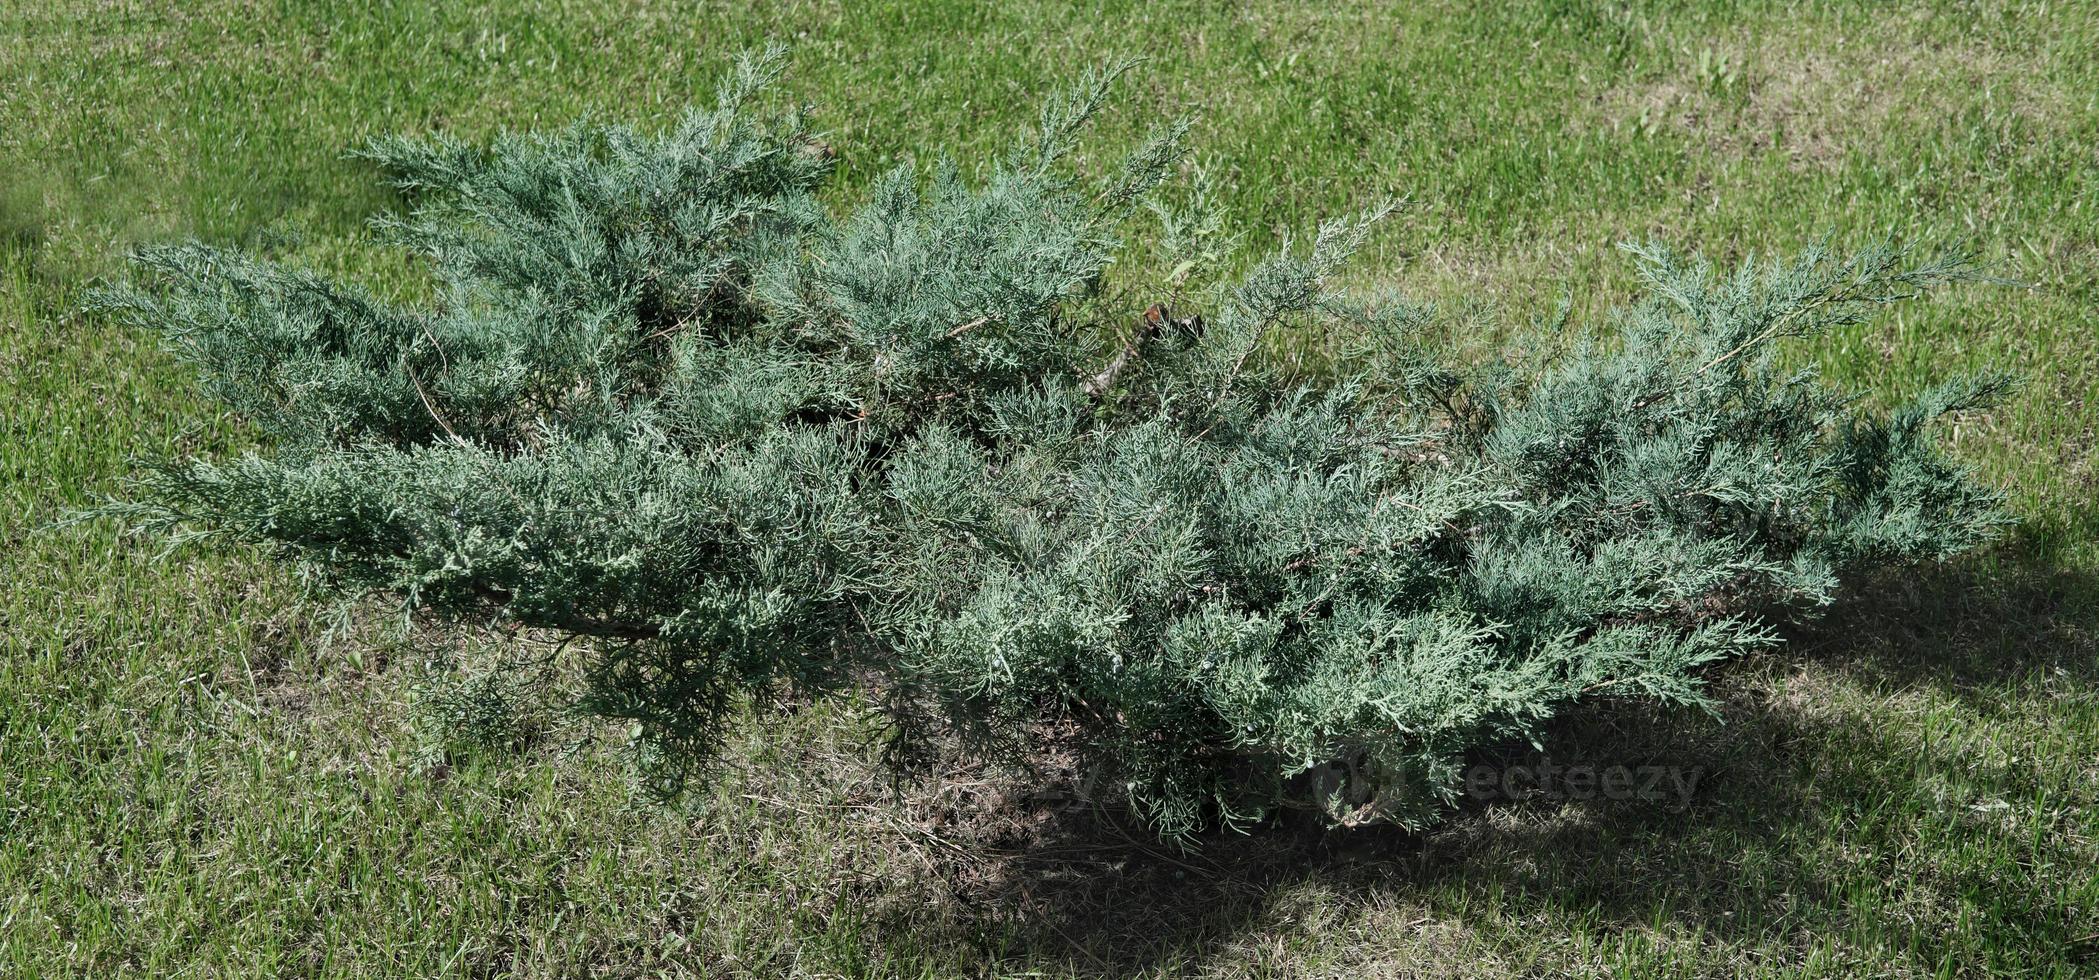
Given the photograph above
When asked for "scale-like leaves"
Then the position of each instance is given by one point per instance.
(667, 402)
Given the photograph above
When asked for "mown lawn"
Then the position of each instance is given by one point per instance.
(195, 781)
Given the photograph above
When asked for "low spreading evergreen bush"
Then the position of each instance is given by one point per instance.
(666, 400)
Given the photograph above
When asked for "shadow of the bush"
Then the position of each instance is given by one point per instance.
(1786, 783)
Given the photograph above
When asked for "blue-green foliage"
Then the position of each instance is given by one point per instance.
(664, 400)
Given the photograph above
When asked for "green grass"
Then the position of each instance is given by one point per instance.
(192, 782)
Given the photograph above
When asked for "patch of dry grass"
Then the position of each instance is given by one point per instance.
(1821, 99)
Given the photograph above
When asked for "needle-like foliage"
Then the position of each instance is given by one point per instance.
(667, 401)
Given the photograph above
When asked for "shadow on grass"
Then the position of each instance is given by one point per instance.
(1828, 809)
